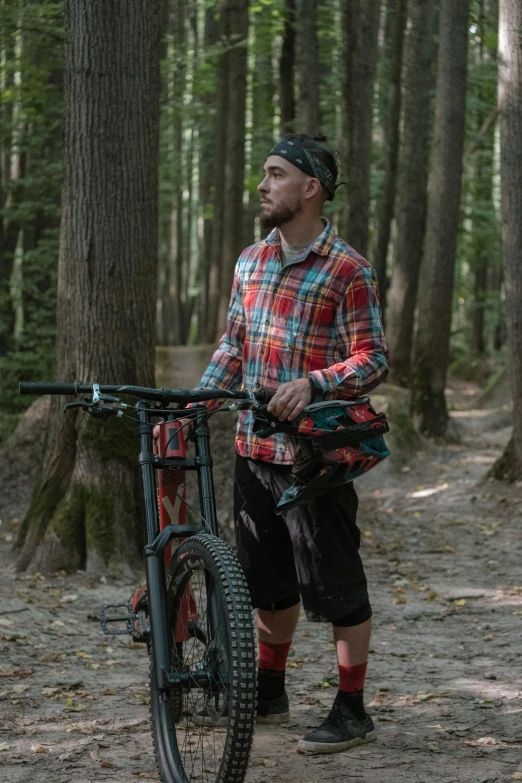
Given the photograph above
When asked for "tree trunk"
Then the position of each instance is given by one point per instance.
(234, 180)
(307, 62)
(83, 510)
(214, 270)
(207, 165)
(360, 27)
(412, 187)
(286, 70)
(393, 45)
(436, 300)
(484, 223)
(510, 118)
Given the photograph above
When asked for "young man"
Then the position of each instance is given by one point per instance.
(304, 322)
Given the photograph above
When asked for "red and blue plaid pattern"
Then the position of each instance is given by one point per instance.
(318, 316)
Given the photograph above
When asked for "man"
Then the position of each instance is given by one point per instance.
(303, 322)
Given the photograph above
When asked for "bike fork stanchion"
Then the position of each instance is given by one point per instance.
(208, 508)
(205, 480)
(154, 565)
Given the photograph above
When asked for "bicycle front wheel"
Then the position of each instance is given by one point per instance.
(203, 728)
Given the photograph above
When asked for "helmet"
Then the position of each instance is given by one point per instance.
(332, 443)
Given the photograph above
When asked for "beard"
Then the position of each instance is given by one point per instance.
(283, 213)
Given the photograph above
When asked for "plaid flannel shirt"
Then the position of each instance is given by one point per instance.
(318, 316)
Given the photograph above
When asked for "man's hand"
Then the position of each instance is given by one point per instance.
(186, 425)
(290, 399)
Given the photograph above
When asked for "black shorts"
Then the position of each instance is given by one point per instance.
(311, 550)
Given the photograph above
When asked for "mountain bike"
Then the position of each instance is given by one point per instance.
(194, 612)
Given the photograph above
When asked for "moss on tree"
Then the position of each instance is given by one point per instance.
(44, 501)
(113, 440)
(68, 521)
(504, 469)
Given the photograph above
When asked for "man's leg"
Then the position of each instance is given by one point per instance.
(275, 630)
(352, 645)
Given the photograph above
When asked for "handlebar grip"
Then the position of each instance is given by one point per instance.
(25, 387)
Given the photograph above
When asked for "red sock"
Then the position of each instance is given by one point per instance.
(351, 688)
(351, 678)
(273, 656)
(272, 668)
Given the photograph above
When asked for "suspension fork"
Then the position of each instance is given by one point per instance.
(207, 497)
(208, 509)
(154, 565)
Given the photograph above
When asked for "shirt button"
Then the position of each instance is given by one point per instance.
(267, 321)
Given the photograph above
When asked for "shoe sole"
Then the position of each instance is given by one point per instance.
(334, 747)
(265, 719)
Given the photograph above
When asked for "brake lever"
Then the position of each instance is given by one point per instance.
(85, 404)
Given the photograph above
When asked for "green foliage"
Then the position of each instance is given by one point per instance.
(31, 76)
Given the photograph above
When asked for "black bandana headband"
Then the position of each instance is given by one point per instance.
(307, 162)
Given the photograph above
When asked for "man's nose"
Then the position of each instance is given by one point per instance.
(262, 187)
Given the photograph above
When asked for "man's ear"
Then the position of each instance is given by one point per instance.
(313, 187)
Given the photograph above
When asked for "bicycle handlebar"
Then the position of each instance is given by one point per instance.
(182, 396)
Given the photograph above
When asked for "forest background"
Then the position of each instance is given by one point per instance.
(406, 90)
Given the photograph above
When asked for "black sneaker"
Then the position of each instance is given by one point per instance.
(340, 731)
(273, 711)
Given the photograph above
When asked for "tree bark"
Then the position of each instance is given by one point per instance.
(83, 510)
(484, 223)
(393, 46)
(419, 80)
(234, 179)
(510, 118)
(286, 70)
(307, 67)
(360, 27)
(436, 299)
(207, 167)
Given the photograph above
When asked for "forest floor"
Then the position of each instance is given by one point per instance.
(442, 548)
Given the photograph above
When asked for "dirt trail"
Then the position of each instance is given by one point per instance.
(442, 550)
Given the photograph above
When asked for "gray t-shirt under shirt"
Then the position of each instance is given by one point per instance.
(290, 252)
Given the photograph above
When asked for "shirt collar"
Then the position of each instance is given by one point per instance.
(321, 245)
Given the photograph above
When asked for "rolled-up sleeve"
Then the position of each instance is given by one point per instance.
(361, 341)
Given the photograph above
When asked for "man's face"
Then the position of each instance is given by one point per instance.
(281, 192)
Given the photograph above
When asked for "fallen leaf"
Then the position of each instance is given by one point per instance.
(69, 599)
(517, 776)
(39, 749)
(94, 665)
(4, 746)
(82, 654)
(70, 705)
(267, 762)
(488, 637)
(5, 621)
(460, 602)
(17, 673)
(367, 533)
(433, 746)
(49, 692)
(141, 697)
(293, 665)
(109, 692)
(148, 775)
(57, 624)
(107, 764)
(400, 600)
